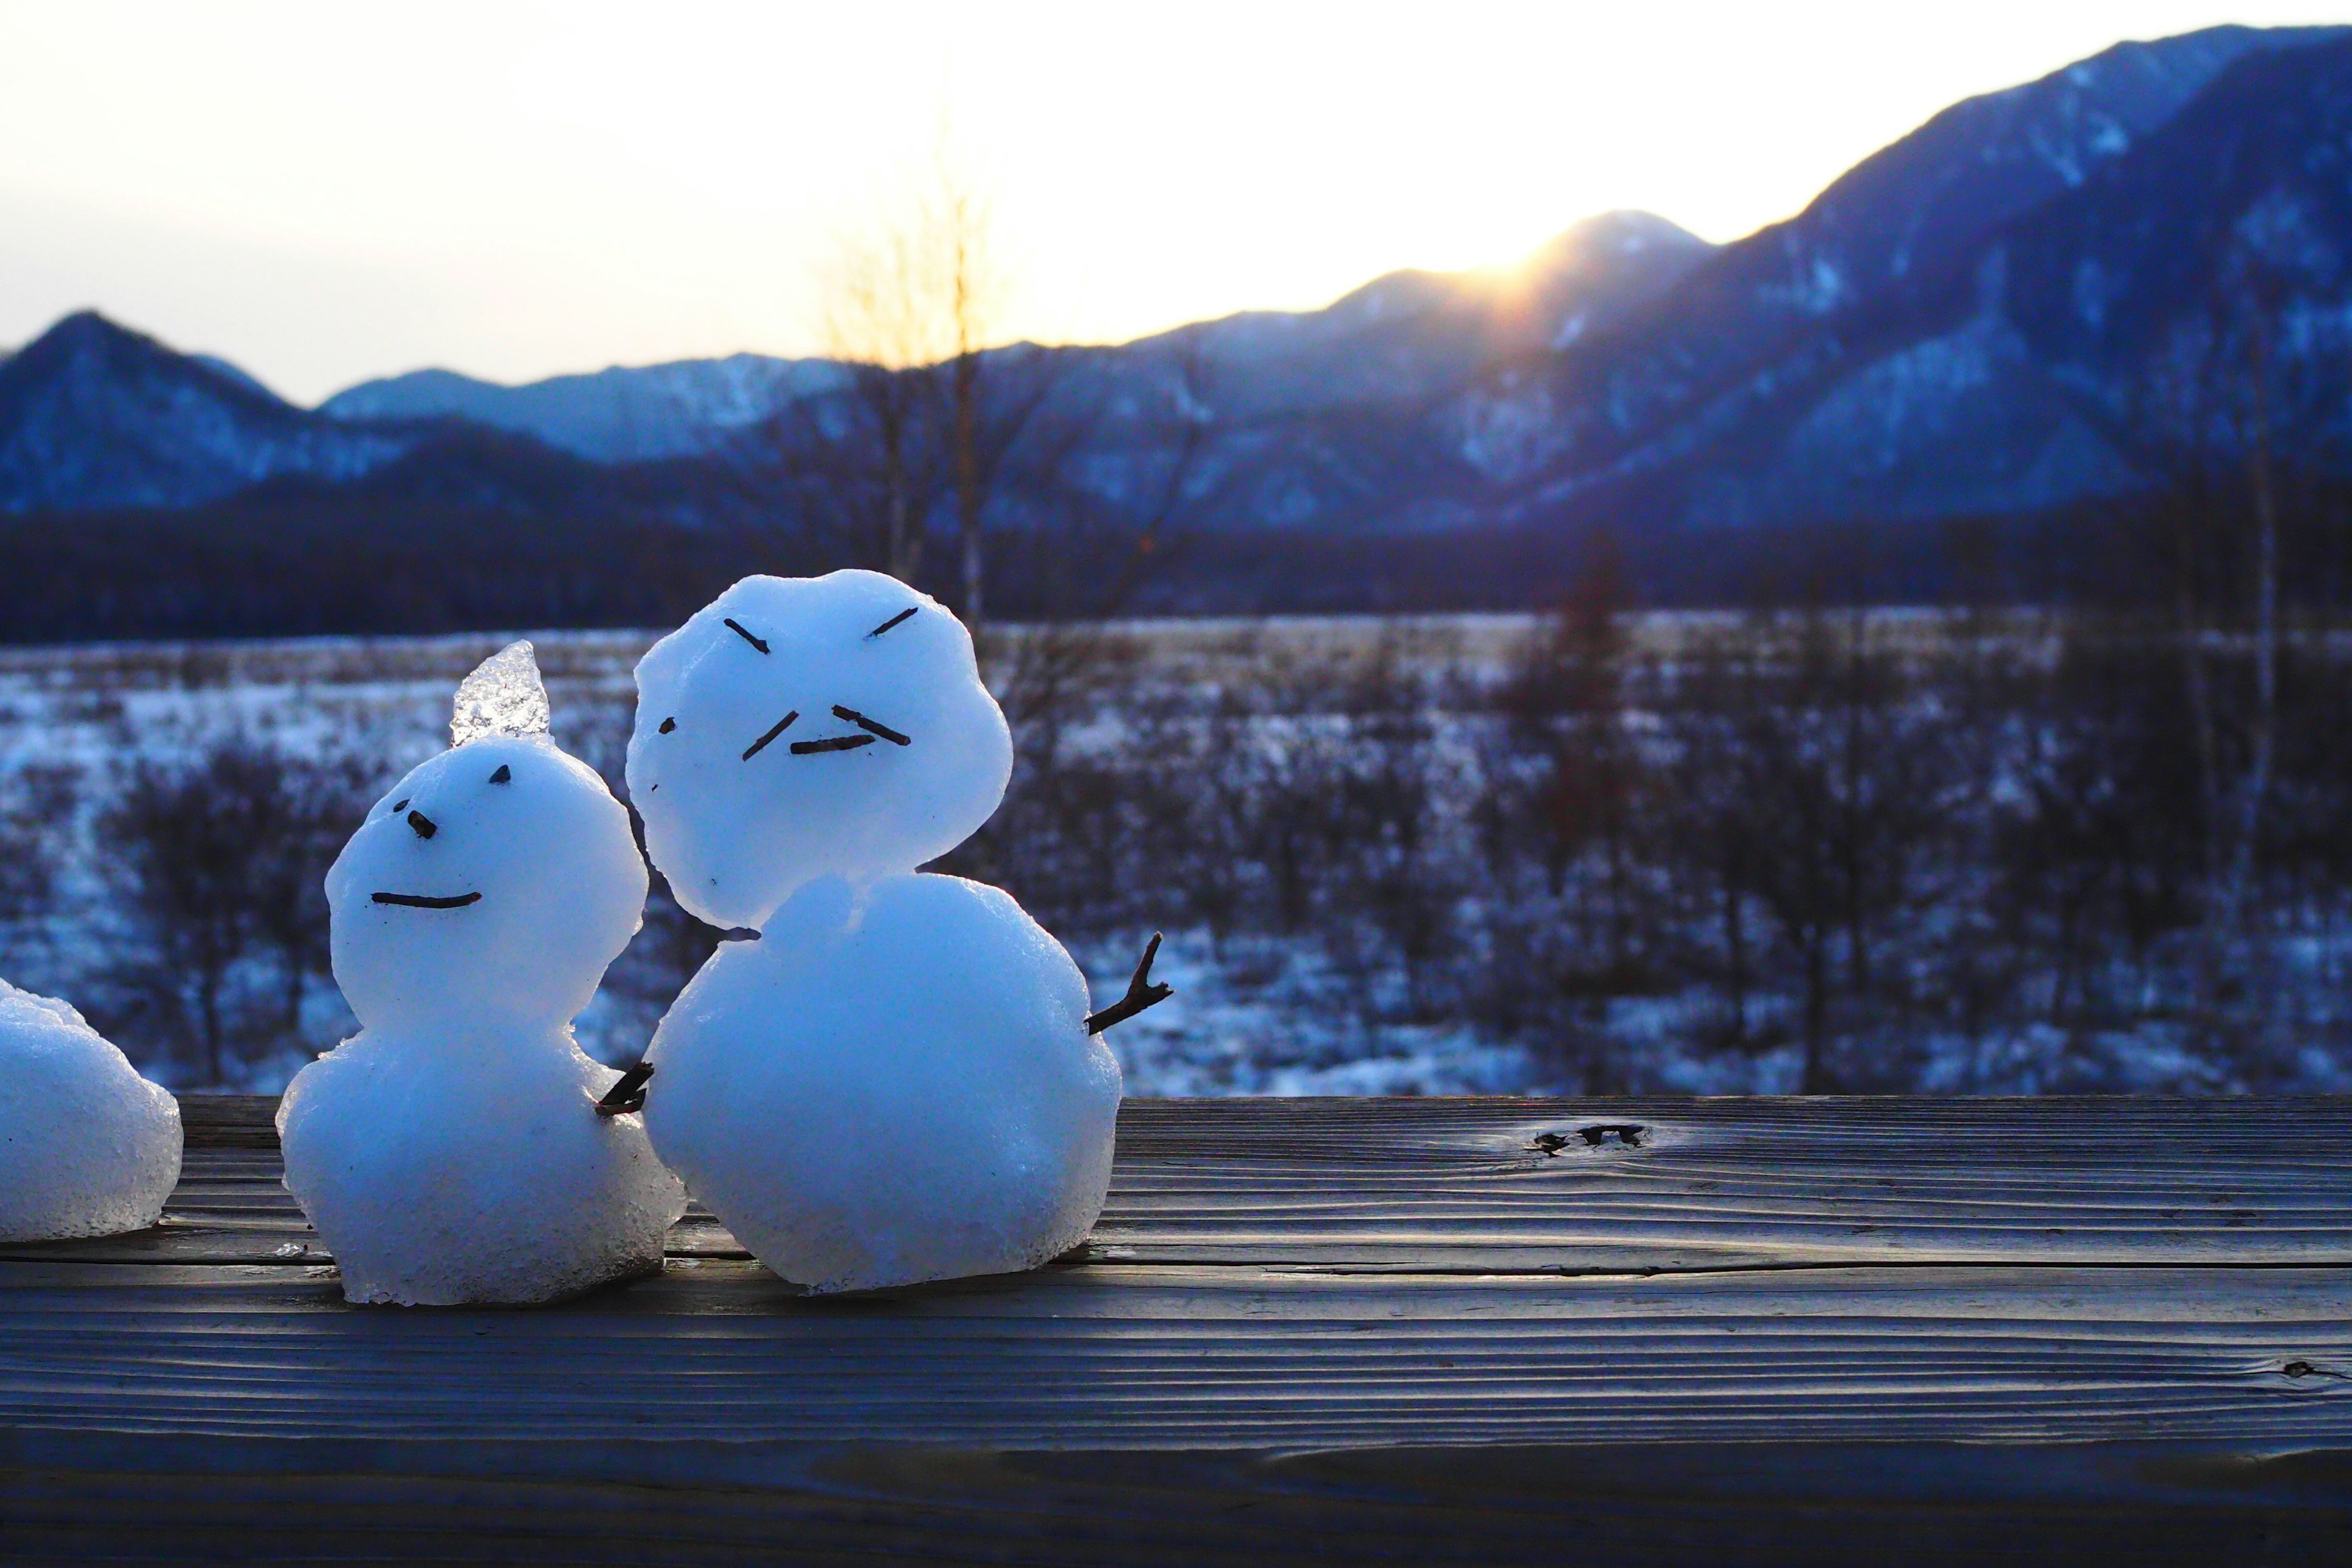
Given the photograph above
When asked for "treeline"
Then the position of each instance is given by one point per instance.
(299, 561)
(1894, 858)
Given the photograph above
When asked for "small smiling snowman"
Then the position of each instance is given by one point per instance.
(899, 1079)
(451, 1151)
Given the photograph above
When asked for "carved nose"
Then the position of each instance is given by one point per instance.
(421, 824)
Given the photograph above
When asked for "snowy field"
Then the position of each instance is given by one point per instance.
(1247, 1019)
(1383, 866)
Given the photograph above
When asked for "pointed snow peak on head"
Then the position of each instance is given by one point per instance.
(504, 696)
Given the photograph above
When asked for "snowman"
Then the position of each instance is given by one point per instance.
(890, 1077)
(451, 1151)
(88, 1147)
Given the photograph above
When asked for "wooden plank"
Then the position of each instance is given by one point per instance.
(71, 1497)
(1153, 1357)
(1419, 1332)
(1513, 1186)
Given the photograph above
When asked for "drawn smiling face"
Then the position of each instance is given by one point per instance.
(495, 883)
(810, 726)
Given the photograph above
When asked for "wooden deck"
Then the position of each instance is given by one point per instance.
(1375, 1331)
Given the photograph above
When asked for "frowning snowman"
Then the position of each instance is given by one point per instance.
(899, 1079)
(451, 1151)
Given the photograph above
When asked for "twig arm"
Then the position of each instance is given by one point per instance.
(627, 1093)
(1142, 992)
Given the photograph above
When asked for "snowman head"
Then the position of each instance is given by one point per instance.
(802, 727)
(493, 884)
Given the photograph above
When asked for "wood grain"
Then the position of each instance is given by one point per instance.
(1437, 1331)
(1200, 1356)
(1467, 1185)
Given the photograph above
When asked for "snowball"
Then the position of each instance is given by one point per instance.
(503, 696)
(891, 1085)
(451, 1151)
(804, 727)
(87, 1146)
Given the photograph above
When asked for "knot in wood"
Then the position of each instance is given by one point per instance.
(1626, 1134)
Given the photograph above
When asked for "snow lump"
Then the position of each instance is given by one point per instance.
(88, 1147)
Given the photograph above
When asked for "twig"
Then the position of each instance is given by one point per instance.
(782, 724)
(419, 901)
(871, 726)
(736, 628)
(627, 1093)
(893, 621)
(1142, 992)
(832, 743)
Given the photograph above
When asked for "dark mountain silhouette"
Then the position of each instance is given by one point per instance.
(95, 415)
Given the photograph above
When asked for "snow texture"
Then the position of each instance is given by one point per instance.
(450, 1151)
(894, 1084)
(504, 696)
(782, 735)
(87, 1146)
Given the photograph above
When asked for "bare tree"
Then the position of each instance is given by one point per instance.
(884, 322)
(914, 298)
(221, 859)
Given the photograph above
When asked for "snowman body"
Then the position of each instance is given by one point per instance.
(895, 1081)
(443, 1167)
(451, 1151)
(88, 1147)
(893, 1084)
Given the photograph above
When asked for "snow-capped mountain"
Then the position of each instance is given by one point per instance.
(1401, 337)
(1869, 357)
(616, 416)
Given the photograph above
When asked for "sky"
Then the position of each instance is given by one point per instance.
(325, 192)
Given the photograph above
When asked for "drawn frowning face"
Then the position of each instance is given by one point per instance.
(810, 726)
(492, 884)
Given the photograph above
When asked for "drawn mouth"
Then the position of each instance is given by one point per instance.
(419, 901)
(875, 729)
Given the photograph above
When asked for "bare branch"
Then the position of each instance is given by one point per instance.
(1142, 993)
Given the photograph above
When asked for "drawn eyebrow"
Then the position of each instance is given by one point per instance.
(893, 621)
(782, 724)
(736, 628)
(870, 726)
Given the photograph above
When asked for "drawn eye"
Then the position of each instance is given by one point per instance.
(504, 775)
(667, 725)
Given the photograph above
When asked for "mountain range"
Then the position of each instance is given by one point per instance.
(2062, 295)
